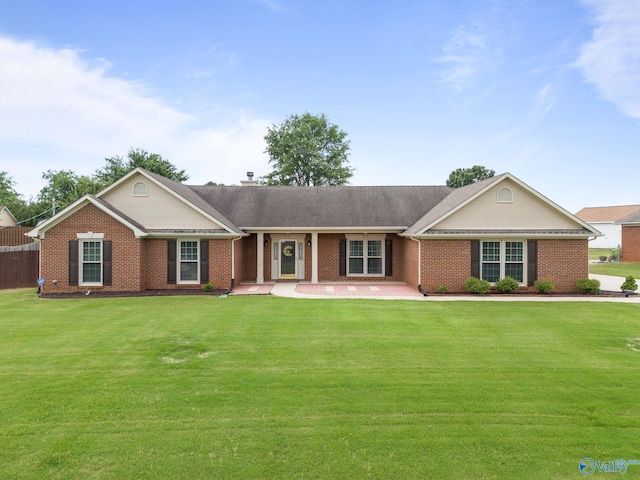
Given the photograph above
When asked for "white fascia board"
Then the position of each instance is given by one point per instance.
(220, 236)
(485, 236)
(41, 229)
(353, 229)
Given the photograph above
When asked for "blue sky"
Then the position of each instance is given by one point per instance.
(548, 90)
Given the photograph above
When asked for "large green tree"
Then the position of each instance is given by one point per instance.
(65, 187)
(307, 150)
(465, 176)
(9, 197)
(117, 167)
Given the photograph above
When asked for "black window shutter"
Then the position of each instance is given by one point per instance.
(532, 262)
(172, 257)
(343, 257)
(388, 258)
(73, 263)
(475, 258)
(106, 263)
(204, 261)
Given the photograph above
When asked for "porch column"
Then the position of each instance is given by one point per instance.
(314, 257)
(260, 255)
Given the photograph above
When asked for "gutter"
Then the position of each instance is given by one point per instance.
(419, 265)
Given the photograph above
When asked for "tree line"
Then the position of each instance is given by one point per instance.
(65, 186)
(304, 150)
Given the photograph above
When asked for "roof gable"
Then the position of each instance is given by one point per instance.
(477, 208)
(40, 230)
(6, 217)
(168, 206)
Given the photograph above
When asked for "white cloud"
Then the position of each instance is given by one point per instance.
(466, 55)
(544, 101)
(611, 60)
(61, 111)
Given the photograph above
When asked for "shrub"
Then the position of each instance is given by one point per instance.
(543, 286)
(507, 285)
(588, 286)
(629, 284)
(442, 289)
(207, 287)
(475, 285)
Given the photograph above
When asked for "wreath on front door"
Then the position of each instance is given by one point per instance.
(287, 251)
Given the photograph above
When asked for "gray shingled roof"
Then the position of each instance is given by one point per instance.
(322, 207)
(118, 213)
(631, 218)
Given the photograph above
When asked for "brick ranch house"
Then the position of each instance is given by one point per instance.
(148, 232)
(631, 237)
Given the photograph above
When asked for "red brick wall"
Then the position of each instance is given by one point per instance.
(126, 250)
(410, 262)
(630, 243)
(155, 264)
(329, 260)
(563, 262)
(445, 262)
(249, 258)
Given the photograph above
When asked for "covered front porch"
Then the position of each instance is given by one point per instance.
(323, 256)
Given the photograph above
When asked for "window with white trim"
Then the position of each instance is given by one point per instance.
(90, 262)
(502, 258)
(189, 271)
(365, 255)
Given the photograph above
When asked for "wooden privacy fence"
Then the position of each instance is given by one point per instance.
(13, 236)
(19, 266)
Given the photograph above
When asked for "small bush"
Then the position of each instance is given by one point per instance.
(208, 287)
(543, 286)
(629, 284)
(442, 289)
(588, 286)
(507, 285)
(475, 285)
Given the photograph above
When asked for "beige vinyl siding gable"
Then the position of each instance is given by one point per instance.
(158, 209)
(526, 211)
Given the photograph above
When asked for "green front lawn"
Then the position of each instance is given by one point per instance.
(264, 387)
(620, 269)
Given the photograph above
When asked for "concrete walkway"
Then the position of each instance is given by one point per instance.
(393, 291)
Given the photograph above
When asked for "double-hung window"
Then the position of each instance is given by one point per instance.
(91, 262)
(365, 255)
(189, 263)
(502, 259)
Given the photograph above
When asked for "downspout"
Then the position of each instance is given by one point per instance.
(233, 265)
(419, 265)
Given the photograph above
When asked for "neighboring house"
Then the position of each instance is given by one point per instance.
(6, 218)
(605, 220)
(631, 237)
(149, 232)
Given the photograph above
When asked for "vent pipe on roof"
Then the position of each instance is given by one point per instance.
(249, 182)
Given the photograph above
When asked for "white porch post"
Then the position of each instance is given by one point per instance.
(314, 257)
(260, 255)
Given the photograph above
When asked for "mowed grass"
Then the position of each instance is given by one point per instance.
(620, 269)
(264, 387)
